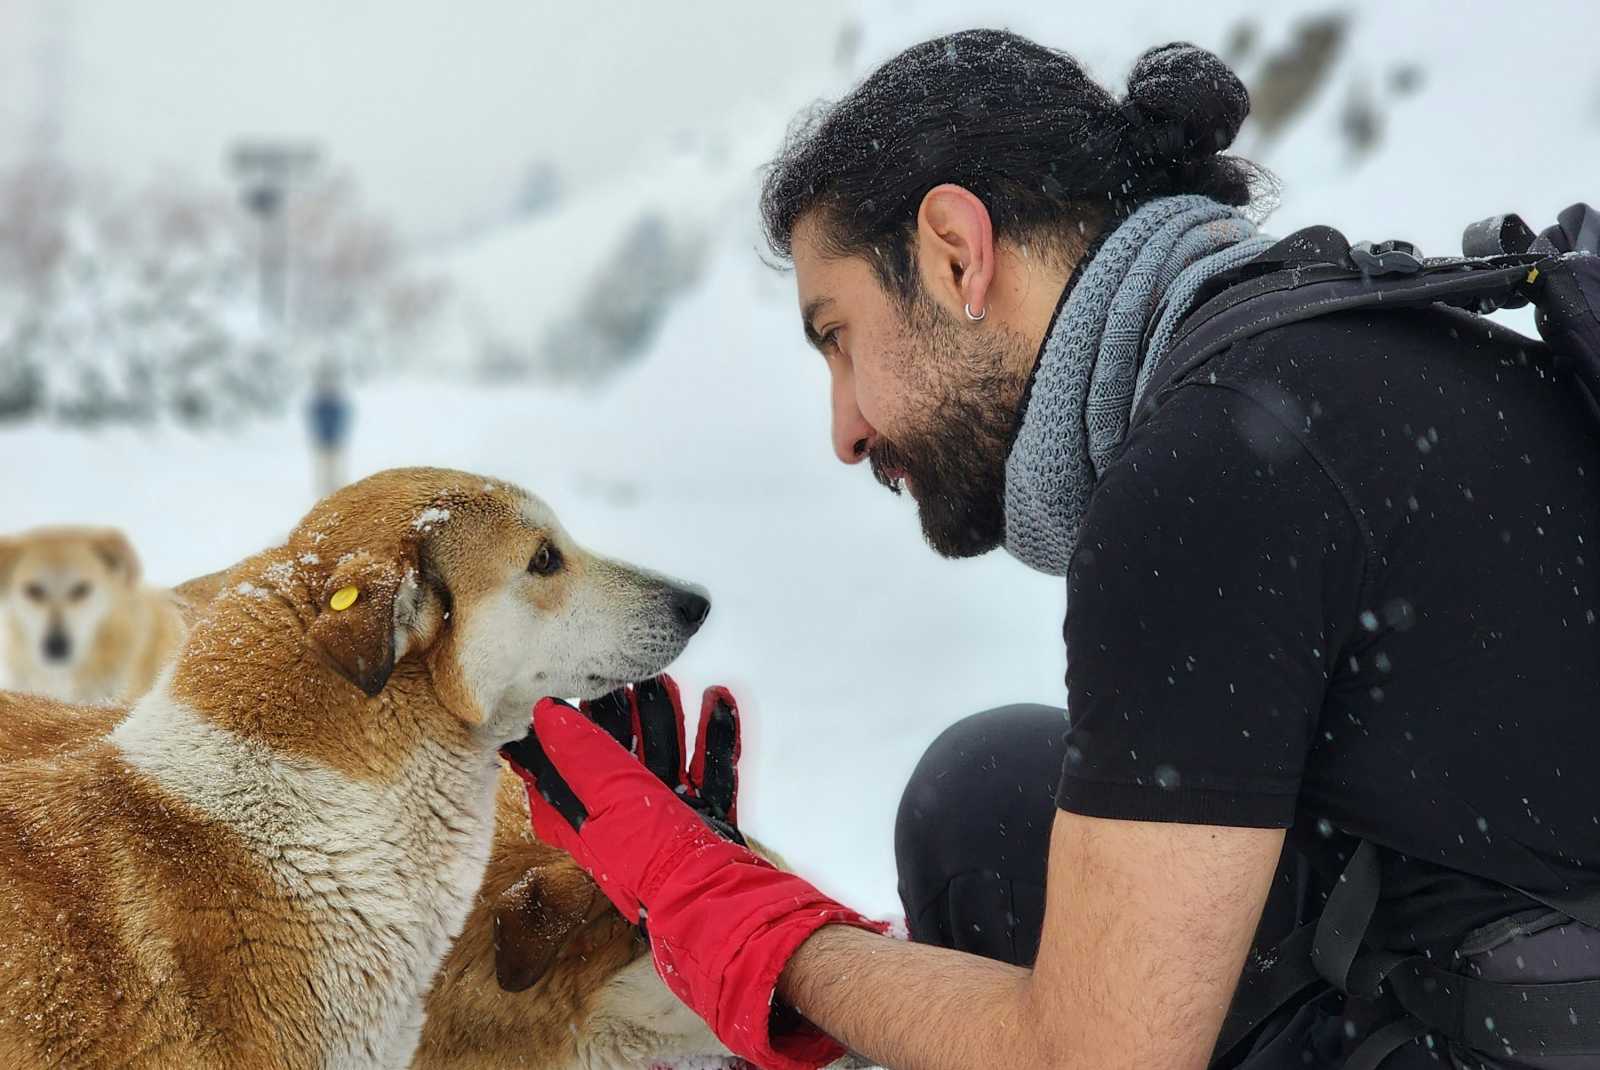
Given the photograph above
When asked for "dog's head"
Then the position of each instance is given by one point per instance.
(59, 584)
(475, 581)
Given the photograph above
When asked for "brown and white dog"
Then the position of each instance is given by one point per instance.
(80, 627)
(264, 864)
(545, 975)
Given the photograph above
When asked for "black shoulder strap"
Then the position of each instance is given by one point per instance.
(1298, 293)
(1315, 272)
(1331, 954)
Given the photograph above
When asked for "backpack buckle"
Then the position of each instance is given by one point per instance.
(1386, 258)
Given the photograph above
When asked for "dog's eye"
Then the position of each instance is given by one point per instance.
(35, 592)
(79, 592)
(546, 560)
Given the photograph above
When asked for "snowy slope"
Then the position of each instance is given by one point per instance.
(851, 644)
(510, 289)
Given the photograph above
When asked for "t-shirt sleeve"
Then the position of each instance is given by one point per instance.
(1217, 566)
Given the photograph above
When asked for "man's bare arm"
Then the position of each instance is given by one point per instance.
(1146, 929)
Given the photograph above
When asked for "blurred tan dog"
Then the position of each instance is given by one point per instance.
(263, 864)
(80, 627)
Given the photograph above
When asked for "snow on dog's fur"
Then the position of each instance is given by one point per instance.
(265, 863)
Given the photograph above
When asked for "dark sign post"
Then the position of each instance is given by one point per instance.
(267, 172)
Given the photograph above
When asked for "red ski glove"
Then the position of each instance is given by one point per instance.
(721, 921)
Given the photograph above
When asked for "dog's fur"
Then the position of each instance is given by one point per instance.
(546, 975)
(79, 625)
(264, 863)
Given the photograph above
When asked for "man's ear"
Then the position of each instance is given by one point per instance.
(113, 547)
(955, 248)
(359, 615)
(534, 919)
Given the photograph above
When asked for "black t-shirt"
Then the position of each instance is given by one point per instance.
(1346, 579)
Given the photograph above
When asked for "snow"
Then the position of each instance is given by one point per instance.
(429, 518)
(850, 645)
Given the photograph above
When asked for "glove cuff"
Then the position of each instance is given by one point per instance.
(748, 1023)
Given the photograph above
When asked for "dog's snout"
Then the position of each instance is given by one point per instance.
(690, 608)
(57, 646)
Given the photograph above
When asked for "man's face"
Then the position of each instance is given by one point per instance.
(927, 397)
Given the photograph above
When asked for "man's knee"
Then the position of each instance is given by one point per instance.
(982, 774)
(961, 768)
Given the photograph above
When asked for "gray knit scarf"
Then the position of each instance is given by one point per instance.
(1095, 362)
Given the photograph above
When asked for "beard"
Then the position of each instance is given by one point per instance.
(970, 384)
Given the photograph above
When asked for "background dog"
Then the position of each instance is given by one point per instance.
(265, 862)
(79, 626)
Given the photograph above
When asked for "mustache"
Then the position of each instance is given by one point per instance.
(888, 464)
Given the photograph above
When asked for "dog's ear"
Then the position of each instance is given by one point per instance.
(534, 919)
(374, 611)
(113, 547)
(357, 618)
(10, 554)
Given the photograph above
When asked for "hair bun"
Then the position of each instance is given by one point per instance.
(1192, 90)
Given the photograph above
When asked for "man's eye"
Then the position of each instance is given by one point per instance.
(830, 341)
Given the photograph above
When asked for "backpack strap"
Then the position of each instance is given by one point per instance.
(1331, 954)
(1315, 272)
(1298, 293)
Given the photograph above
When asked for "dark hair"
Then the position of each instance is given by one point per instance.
(1050, 153)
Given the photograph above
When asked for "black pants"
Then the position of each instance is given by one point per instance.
(973, 833)
(973, 836)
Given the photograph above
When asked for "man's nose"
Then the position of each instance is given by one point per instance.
(852, 435)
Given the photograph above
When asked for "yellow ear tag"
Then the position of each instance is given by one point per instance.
(343, 599)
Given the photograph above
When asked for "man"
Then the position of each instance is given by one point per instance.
(1336, 586)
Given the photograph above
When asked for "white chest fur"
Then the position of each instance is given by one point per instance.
(381, 876)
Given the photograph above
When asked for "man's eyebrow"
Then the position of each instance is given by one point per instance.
(808, 316)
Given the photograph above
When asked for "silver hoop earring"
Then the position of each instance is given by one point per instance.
(979, 317)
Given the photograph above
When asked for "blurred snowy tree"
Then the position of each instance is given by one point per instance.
(140, 308)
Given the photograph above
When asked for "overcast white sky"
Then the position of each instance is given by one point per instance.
(438, 107)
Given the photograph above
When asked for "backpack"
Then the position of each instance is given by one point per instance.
(1316, 272)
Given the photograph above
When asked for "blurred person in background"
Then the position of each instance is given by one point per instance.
(1327, 623)
(328, 417)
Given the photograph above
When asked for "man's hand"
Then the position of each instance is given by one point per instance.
(647, 720)
(658, 838)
